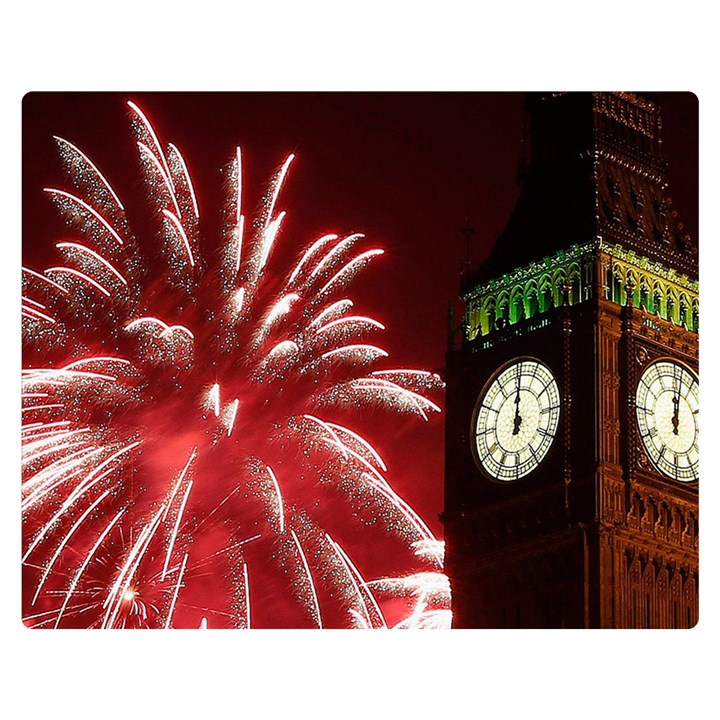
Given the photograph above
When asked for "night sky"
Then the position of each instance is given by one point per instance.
(409, 170)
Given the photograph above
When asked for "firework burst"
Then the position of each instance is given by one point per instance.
(191, 452)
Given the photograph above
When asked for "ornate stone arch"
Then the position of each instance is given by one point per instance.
(684, 305)
(658, 293)
(644, 290)
(545, 292)
(617, 287)
(559, 278)
(632, 280)
(517, 304)
(573, 278)
(502, 305)
(488, 314)
(646, 596)
(695, 313)
(531, 297)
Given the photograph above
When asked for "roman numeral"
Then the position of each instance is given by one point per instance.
(548, 409)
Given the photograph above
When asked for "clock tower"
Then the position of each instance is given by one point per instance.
(571, 480)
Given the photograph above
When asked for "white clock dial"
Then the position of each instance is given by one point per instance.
(667, 403)
(516, 420)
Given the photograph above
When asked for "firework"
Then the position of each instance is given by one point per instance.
(192, 445)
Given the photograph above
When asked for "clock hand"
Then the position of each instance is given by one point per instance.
(517, 421)
(676, 401)
(676, 412)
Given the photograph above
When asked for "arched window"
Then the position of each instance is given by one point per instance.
(545, 293)
(517, 305)
(617, 290)
(632, 281)
(531, 298)
(657, 297)
(558, 281)
(683, 310)
(474, 324)
(487, 315)
(695, 315)
(573, 279)
(501, 306)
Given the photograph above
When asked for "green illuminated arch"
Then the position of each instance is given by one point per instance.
(537, 288)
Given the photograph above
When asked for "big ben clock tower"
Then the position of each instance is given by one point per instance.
(571, 483)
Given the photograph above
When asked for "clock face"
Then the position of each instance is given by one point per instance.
(516, 420)
(667, 404)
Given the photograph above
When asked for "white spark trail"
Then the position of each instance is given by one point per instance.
(345, 561)
(309, 576)
(181, 575)
(276, 190)
(94, 168)
(175, 529)
(363, 442)
(150, 130)
(97, 256)
(281, 511)
(83, 487)
(337, 251)
(33, 314)
(181, 232)
(247, 596)
(188, 181)
(307, 255)
(167, 179)
(350, 266)
(116, 594)
(336, 309)
(372, 349)
(233, 412)
(63, 290)
(82, 276)
(86, 562)
(92, 211)
(66, 539)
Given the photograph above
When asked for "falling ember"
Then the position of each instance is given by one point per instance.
(196, 438)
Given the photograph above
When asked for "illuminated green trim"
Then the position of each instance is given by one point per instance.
(538, 287)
